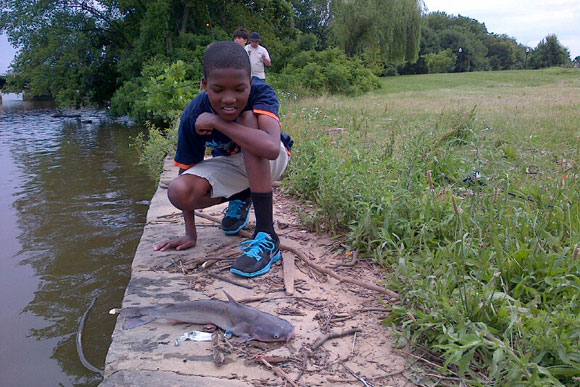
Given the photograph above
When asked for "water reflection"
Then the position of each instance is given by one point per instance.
(80, 202)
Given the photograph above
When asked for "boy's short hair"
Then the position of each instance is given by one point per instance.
(226, 54)
(241, 33)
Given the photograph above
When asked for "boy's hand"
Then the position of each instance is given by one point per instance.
(181, 243)
(204, 124)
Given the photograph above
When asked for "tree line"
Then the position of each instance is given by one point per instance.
(457, 44)
(102, 51)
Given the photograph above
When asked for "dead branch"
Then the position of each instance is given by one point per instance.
(279, 372)
(299, 254)
(373, 378)
(288, 267)
(333, 335)
(358, 377)
(231, 281)
(375, 310)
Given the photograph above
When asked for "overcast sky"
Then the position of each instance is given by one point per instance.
(6, 53)
(527, 21)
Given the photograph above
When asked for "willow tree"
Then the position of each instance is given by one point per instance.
(388, 30)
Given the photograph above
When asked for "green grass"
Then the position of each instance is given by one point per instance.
(486, 267)
(495, 79)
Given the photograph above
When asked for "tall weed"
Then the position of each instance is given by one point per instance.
(481, 253)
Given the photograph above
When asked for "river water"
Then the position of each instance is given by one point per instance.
(73, 203)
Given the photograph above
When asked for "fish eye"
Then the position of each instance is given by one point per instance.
(276, 336)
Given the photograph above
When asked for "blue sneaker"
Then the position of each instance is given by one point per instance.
(236, 216)
(258, 256)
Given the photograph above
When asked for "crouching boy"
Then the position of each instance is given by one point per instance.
(240, 122)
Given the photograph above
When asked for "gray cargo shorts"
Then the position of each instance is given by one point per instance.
(227, 174)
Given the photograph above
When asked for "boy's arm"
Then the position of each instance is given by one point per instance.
(187, 241)
(262, 142)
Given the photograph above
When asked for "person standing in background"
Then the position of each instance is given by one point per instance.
(241, 37)
(259, 57)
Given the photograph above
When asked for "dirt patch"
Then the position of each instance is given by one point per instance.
(339, 338)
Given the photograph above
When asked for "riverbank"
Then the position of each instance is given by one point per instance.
(147, 355)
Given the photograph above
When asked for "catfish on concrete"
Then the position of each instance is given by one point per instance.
(241, 320)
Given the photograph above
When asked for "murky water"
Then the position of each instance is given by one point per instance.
(73, 203)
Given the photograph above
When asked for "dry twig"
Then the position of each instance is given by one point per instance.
(333, 335)
(231, 281)
(319, 268)
(288, 267)
(279, 372)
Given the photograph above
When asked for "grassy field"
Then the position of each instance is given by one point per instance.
(467, 187)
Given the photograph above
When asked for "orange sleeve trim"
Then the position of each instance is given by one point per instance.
(267, 113)
(183, 166)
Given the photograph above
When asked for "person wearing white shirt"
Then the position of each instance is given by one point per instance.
(259, 57)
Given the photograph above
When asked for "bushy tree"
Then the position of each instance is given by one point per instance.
(442, 62)
(501, 52)
(160, 94)
(81, 51)
(549, 52)
(480, 50)
(389, 27)
(330, 70)
(65, 49)
(312, 17)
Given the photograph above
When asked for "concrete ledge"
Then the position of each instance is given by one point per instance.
(164, 378)
(147, 355)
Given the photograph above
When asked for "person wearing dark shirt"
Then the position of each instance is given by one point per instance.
(240, 122)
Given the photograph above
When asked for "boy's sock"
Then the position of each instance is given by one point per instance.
(264, 213)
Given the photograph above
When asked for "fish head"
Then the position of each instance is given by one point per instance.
(263, 326)
(274, 330)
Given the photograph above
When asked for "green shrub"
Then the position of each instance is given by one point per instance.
(154, 145)
(160, 94)
(442, 62)
(328, 71)
(312, 75)
(390, 70)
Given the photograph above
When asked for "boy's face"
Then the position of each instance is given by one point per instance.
(241, 41)
(254, 43)
(228, 91)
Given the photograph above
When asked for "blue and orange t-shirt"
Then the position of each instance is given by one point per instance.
(191, 145)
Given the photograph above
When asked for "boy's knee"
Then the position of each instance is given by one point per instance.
(185, 191)
(249, 119)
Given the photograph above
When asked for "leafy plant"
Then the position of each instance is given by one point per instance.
(161, 94)
(482, 255)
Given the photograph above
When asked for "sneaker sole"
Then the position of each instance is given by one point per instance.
(263, 270)
(237, 230)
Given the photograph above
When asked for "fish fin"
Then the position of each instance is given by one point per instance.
(243, 339)
(134, 322)
(230, 298)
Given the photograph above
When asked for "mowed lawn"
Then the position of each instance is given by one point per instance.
(466, 187)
